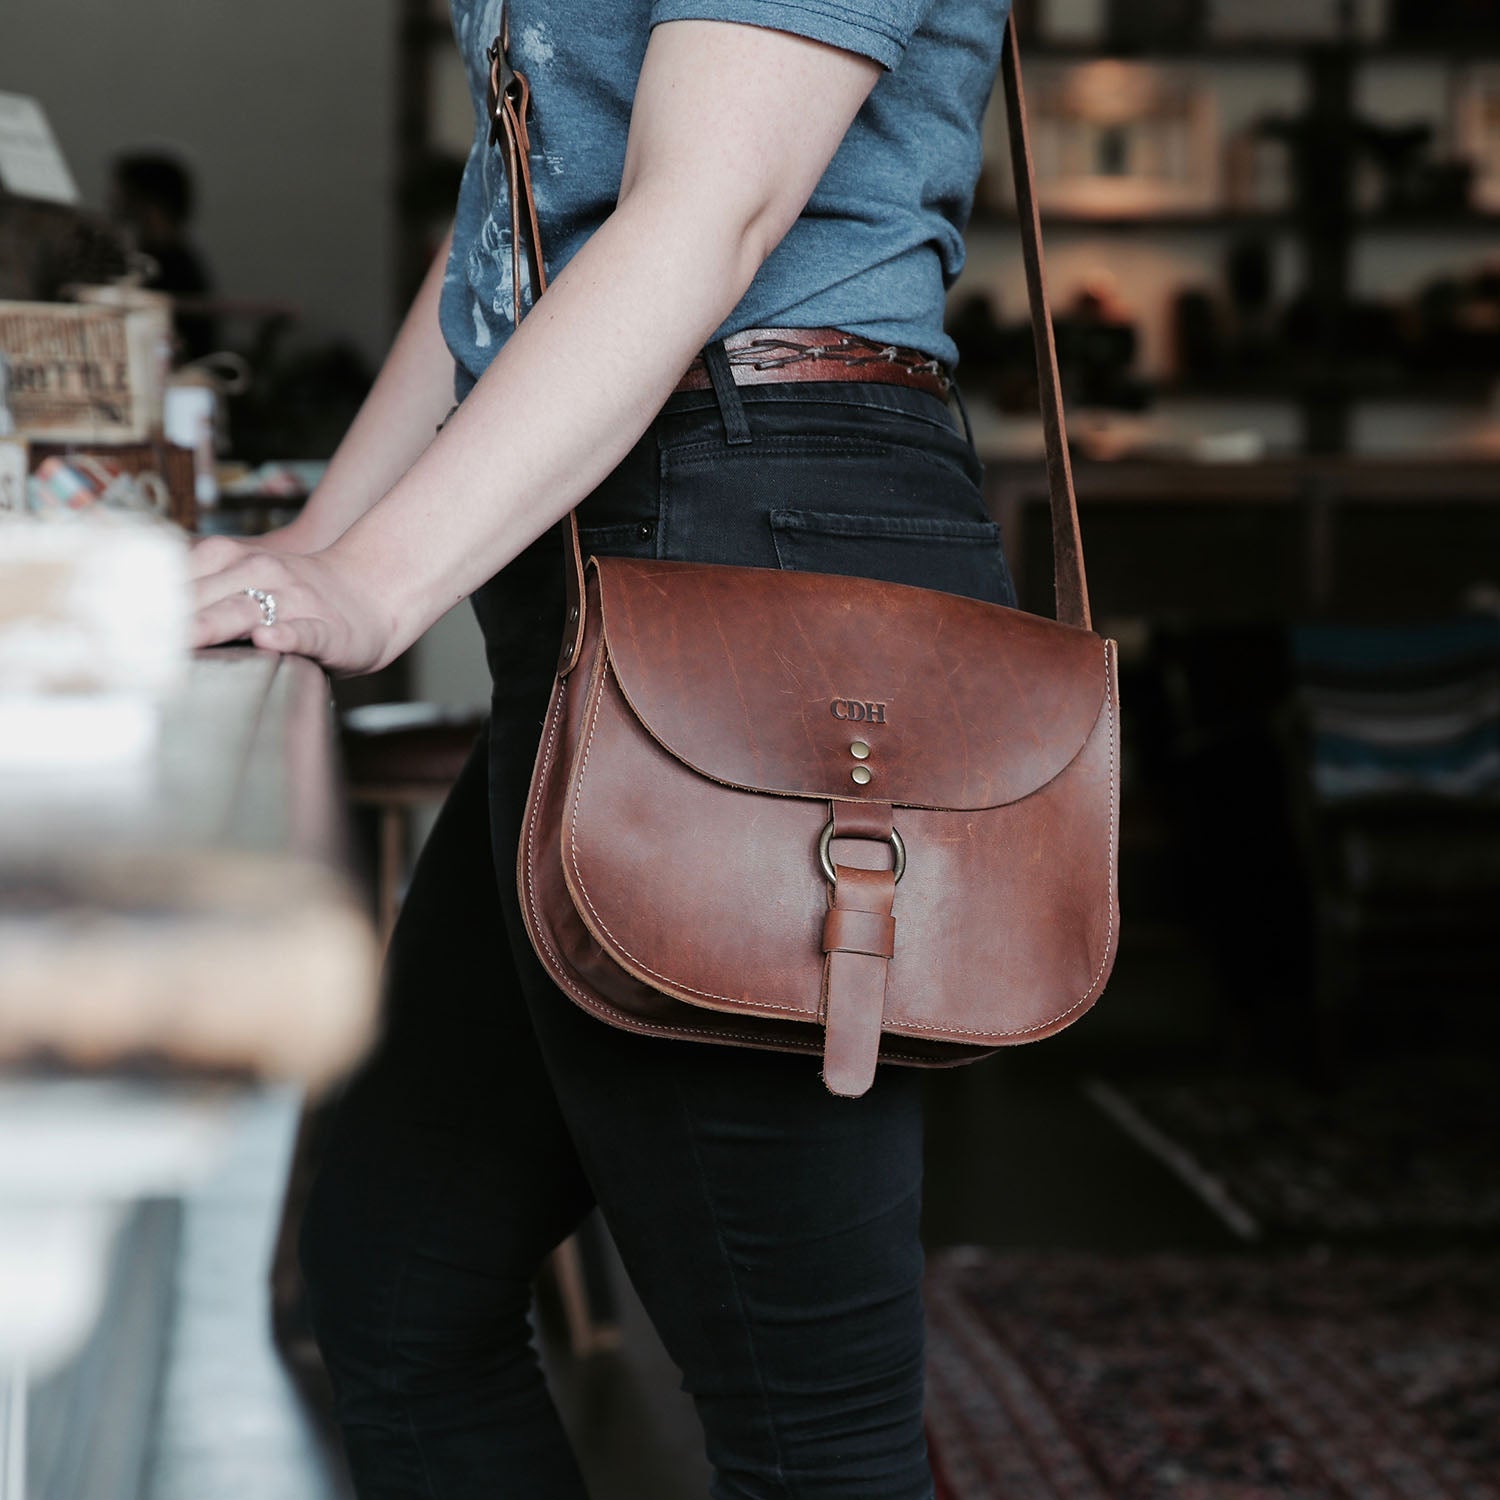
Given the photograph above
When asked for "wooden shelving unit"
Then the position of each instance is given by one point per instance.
(1420, 388)
(1209, 221)
(1268, 50)
(1323, 221)
(1216, 220)
(1295, 538)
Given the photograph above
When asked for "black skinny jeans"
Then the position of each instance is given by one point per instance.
(770, 1229)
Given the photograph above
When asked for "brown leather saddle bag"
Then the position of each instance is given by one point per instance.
(825, 814)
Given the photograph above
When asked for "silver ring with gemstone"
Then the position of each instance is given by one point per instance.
(267, 602)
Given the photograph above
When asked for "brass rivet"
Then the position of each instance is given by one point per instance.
(861, 775)
(859, 750)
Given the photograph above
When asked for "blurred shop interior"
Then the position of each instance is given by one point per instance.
(1233, 1235)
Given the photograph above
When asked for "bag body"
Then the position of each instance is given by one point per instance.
(696, 757)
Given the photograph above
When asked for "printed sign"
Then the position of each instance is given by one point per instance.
(31, 162)
(79, 373)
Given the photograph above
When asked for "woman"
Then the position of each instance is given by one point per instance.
(702, 167)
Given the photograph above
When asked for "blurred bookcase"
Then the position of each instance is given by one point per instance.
(1334, 186)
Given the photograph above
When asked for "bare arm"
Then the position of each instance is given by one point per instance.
(412, 394)
(717, 170)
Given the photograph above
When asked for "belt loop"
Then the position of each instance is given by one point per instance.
(726, 392)
(963, 411)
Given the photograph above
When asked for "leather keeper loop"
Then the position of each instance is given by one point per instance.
(848, 931)
(863, 820)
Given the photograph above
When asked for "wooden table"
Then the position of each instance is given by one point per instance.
(170, 935)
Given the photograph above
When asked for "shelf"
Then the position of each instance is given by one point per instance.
(1211, 221)
(1401, 221)
(1203, 220)
(1268, 50)
(1415, 389)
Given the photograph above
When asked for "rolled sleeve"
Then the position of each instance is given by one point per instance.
(878, 29)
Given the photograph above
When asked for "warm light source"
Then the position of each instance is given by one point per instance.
(1117, 138)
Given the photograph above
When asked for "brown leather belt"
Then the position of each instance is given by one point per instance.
(769, 356)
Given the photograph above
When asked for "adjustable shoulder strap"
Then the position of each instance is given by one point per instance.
(509, 106)
(1067, 541)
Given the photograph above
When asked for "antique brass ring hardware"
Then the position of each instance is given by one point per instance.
(825, 853)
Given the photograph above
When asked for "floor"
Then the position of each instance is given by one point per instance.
(231, 1425)
(1018, 1157)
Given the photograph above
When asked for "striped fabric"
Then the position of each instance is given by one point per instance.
(1401, 710)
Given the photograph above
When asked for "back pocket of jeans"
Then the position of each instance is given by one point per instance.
(954, 555)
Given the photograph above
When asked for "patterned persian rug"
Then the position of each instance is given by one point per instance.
(1407, 1150)
(1071, 1377)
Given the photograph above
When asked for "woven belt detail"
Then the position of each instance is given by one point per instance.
(770, 356)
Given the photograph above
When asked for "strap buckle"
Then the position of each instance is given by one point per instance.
(825, 853)
(507, 86)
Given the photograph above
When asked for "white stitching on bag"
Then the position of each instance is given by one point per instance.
(583, 770)
(559, 971)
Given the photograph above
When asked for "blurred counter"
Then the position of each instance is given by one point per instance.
(190, 911)
(174, 932)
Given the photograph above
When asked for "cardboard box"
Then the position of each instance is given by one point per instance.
(85, 374)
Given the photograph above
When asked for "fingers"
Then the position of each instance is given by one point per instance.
(305, 637)
(223, 611)
(305, 618)
(230, 618)
(213, 554)
(317, 613)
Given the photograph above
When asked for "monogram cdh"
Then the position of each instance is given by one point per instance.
(853, 711)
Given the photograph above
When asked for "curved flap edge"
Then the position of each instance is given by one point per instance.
(812, 685)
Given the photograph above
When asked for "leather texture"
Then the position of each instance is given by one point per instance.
(859, 939)
(765, 680)
(662, 899)
(826, 814)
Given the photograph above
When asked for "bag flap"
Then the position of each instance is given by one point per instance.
(777, 681)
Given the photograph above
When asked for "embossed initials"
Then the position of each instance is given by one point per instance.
(851, 711)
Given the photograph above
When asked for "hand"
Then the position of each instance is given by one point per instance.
(324, 609)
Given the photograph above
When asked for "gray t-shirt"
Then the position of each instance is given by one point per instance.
(878, 244)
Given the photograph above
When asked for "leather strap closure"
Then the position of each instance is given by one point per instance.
(859, 937)
(848, 930)
(509, 110)
(863, 820)
(510, 103)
